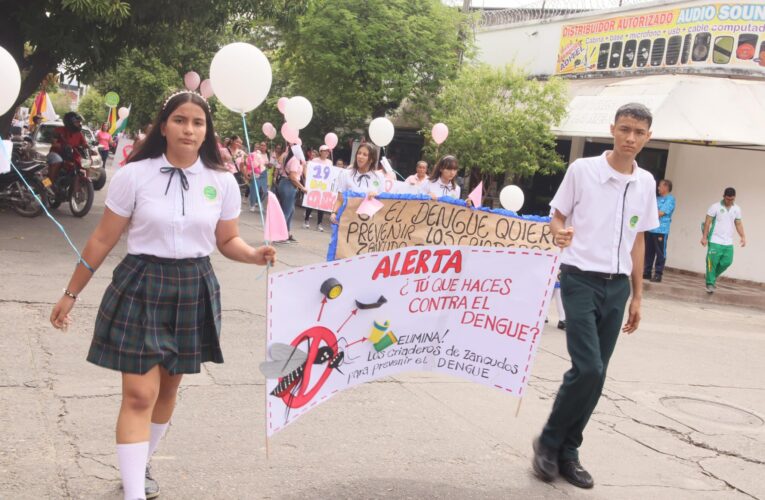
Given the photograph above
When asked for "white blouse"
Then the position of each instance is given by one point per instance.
(167, 220)
(438, 188)
(351, 180)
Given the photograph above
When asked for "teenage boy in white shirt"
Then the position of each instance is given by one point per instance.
(602, 208)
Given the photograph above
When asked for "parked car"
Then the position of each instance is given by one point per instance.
(43, 139)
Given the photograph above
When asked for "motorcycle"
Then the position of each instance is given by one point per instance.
(71, 184)
(13, 191)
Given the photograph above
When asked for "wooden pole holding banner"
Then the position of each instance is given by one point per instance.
(518, 408)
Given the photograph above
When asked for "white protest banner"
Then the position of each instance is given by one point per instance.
(124, 148)
(298, 152)
(320, 182)
(470, 312)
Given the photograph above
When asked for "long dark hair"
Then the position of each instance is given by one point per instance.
(371, 152)
(444, 162)
(155, 144)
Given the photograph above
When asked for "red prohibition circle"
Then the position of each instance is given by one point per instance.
(314, 336)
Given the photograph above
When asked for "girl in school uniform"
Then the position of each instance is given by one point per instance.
(360, 177)
(160, 317)
(441, 181)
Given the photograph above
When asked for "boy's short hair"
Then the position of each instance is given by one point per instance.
(635, 110)
(729, 192)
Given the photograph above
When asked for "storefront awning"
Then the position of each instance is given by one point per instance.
(722, 111)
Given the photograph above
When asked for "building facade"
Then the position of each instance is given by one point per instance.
(698, 65)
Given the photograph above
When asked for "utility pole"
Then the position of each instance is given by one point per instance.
(465, 11)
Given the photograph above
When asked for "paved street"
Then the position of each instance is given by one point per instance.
(681, 417)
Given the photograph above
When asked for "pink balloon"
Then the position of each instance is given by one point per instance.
(299, 141)
(330, 140)
(191, 80)
(281, 104)
(439, 133)
(269, 130)
(289, 133)
(206, 89)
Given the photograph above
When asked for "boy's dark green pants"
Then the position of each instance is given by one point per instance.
(594, 313)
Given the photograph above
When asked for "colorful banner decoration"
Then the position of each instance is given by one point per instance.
(320, 181)
(112, 120)
(719, 35)
(470, 312)
(411, 220)
(42, 107)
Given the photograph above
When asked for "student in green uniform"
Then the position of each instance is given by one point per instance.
(722, 218)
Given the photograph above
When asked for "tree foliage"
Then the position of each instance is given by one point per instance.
(499, 121)
(87, 37)
(355, 60)
(61, 101)
(92, 107)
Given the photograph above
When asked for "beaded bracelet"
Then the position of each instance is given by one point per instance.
(70, 294)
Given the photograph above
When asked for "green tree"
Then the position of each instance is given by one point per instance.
(92, 108)
(62, 102)
(87, 37)
(499, 123)
(355, 60)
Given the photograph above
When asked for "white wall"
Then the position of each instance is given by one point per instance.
(699, 175)
(534, 47)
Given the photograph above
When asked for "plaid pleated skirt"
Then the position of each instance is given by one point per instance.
(159, 311)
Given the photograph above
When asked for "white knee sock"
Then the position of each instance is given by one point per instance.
(132, 460)
(157, 431)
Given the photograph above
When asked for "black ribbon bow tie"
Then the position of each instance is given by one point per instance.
(184, 183)
(365, 178)
(446, 190)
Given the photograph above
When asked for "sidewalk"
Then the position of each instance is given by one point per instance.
(687, 286)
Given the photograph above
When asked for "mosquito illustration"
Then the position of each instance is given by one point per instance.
(288, 364)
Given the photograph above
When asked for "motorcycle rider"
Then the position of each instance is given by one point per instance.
(68, 144)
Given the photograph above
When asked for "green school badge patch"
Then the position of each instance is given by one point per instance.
(633, 221)
(210, 193)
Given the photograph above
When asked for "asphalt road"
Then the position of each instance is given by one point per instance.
(681, 417)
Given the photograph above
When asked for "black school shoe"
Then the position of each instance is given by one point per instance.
(562, 325)
(573, 472)
(656, 279)
(545, 461)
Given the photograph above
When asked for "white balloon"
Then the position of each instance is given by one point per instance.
(298, 112)
(241, 76)
(10, 83)
(123, 112)
(381, 131)
(511, 197)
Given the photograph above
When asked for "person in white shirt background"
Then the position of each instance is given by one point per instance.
(722, 219)
(360, 177)
(441, 181)
(602, 208)
(420, 174)
(161, 315)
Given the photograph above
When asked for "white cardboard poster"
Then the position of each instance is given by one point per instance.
(321, 185)
(470, 312)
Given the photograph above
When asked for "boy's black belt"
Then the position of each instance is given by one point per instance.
(566, 268)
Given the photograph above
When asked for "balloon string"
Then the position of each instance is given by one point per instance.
(257, 192)
(37, 198)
